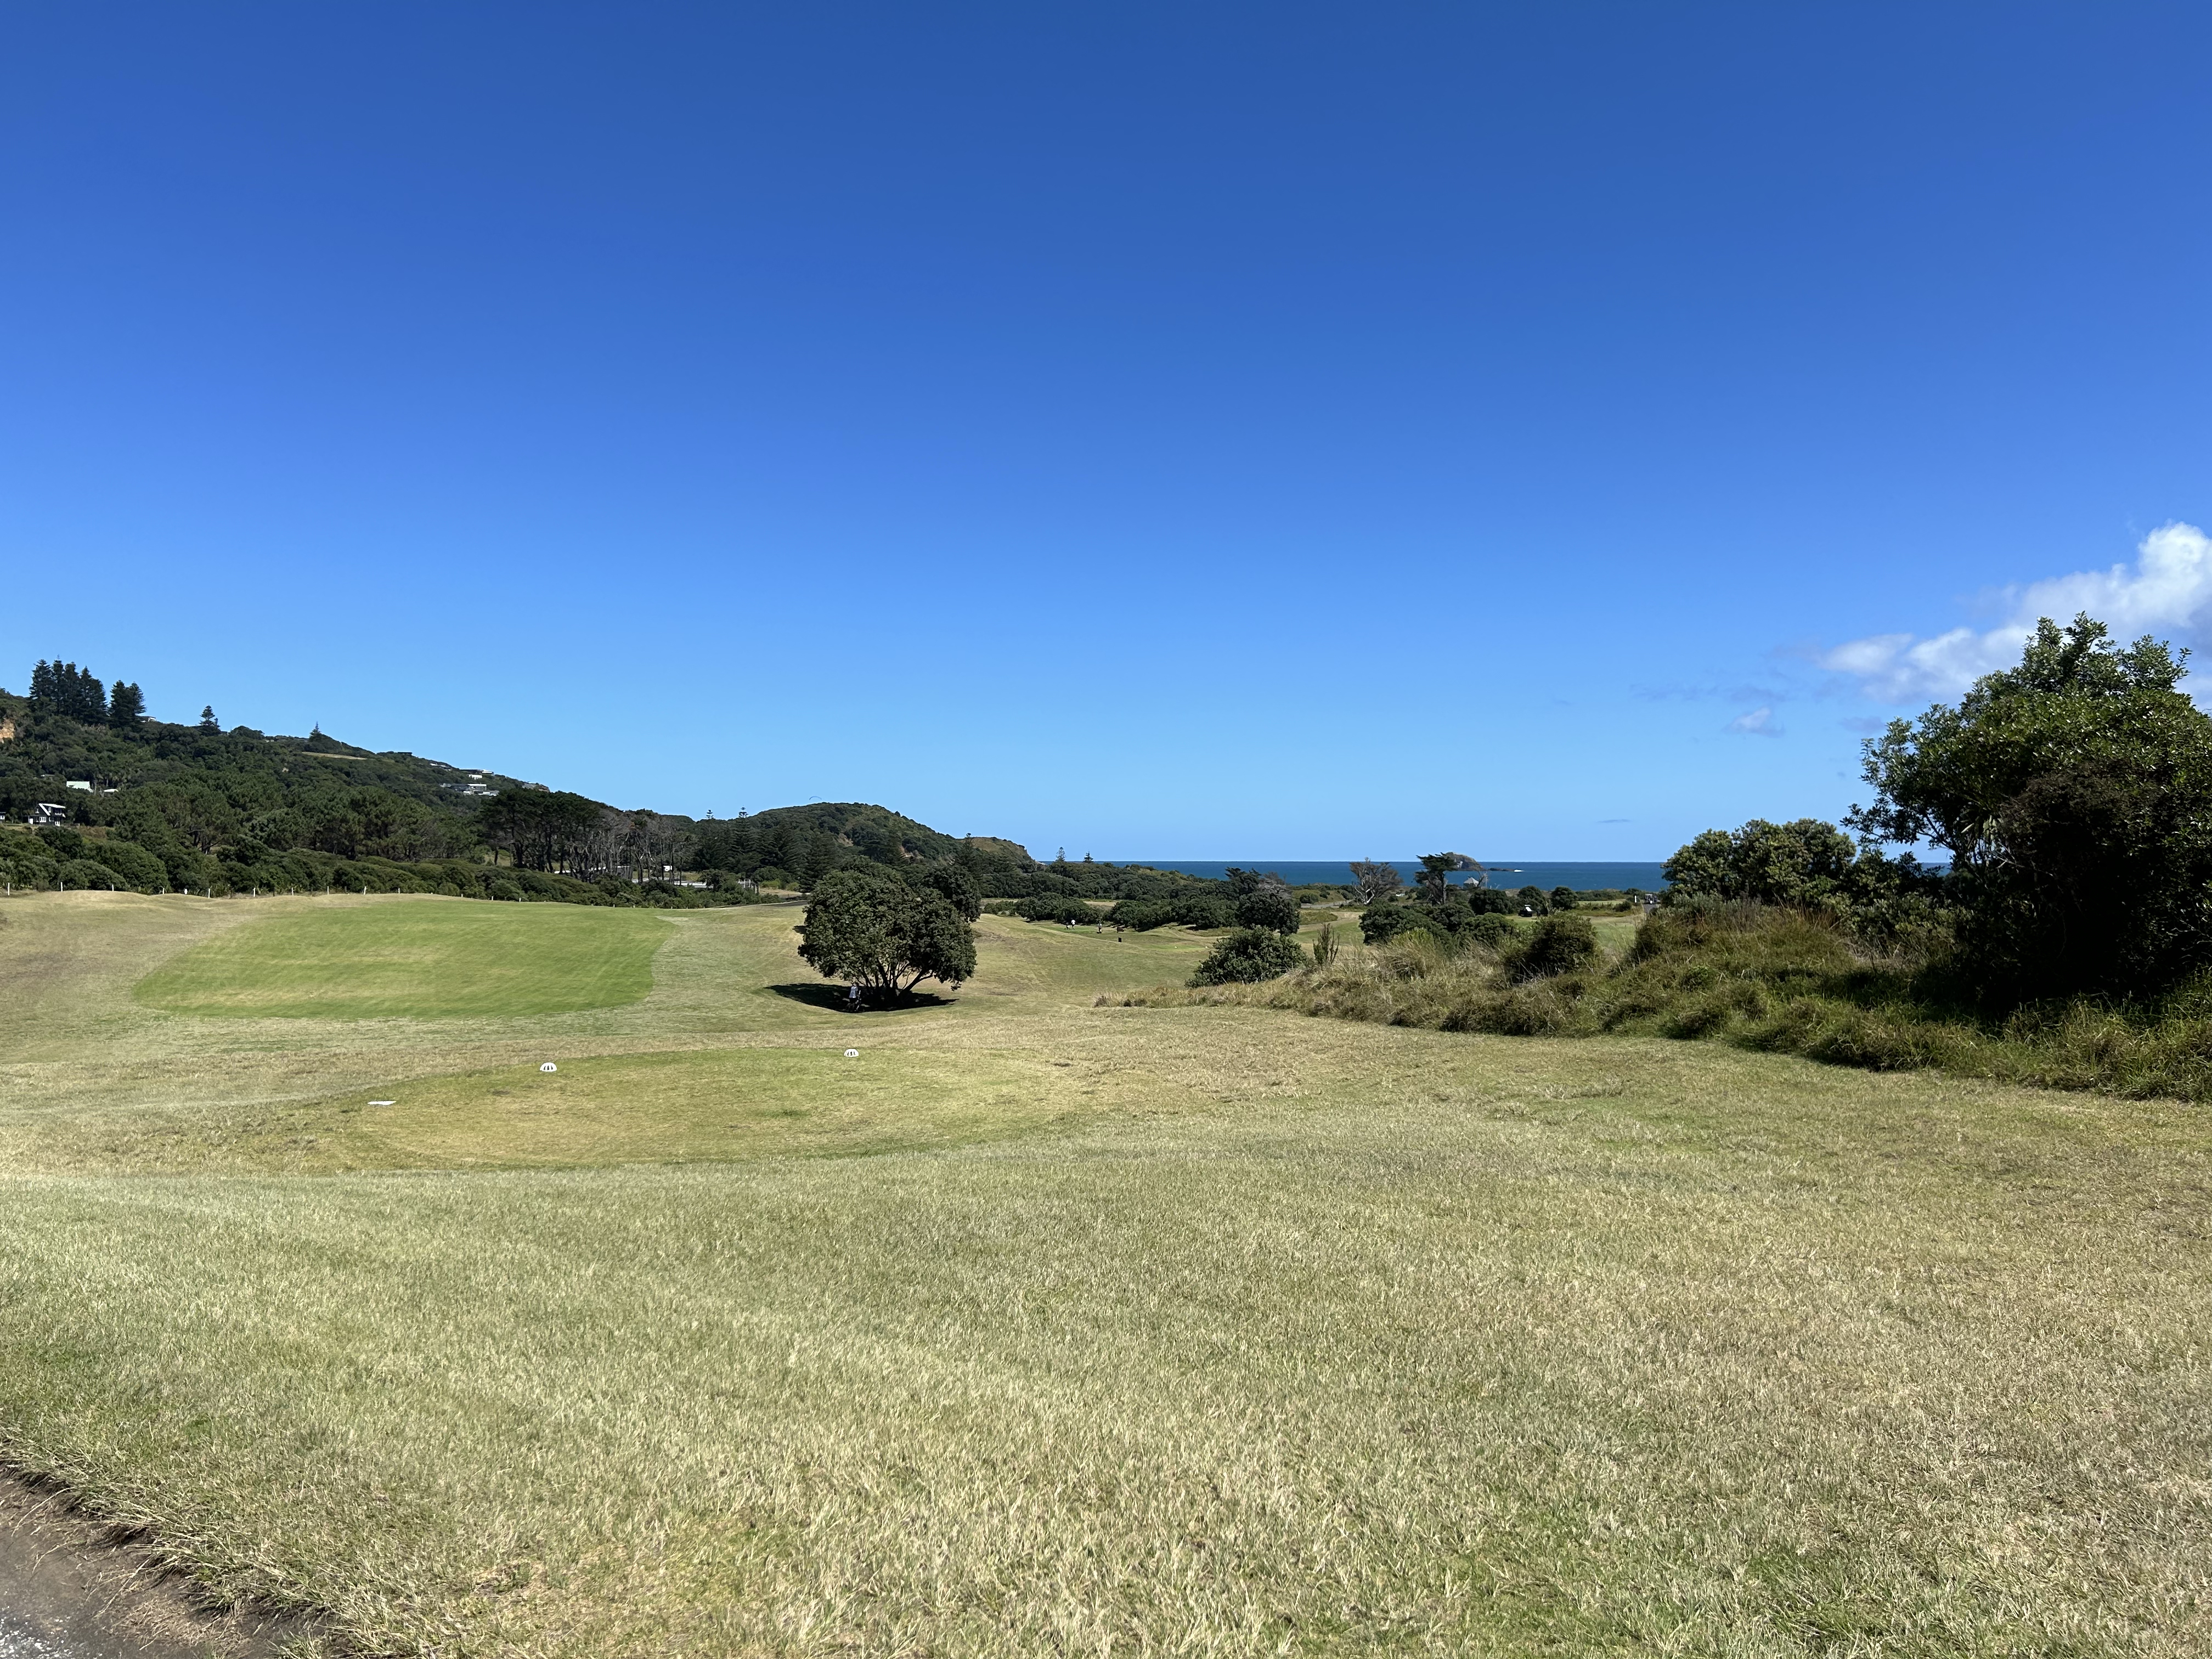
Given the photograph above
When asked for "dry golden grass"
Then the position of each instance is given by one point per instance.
(89, 1074)
(1205, 1330)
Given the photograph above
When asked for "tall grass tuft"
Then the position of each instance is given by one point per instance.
(1780, 981)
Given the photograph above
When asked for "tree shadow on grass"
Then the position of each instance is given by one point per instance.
(831, 998)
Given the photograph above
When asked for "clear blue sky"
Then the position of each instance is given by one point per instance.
(1183, 431)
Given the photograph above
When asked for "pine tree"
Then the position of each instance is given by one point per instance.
(42, 684)
(75, 691)
(207, 722)
(126, 707)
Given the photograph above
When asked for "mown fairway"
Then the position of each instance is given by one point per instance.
(424, 959)
(1040, 1327)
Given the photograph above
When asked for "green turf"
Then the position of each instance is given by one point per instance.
(429, 959)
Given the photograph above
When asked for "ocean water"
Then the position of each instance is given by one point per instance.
(1546, 873)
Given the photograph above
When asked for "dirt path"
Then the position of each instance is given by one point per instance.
(64, 1594)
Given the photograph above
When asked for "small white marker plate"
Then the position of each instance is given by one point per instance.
(851, 1053)
(383, 1102)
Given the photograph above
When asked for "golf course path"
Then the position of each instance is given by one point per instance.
(64, 1596)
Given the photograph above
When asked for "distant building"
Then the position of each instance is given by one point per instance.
(48, 811)
(73, 784)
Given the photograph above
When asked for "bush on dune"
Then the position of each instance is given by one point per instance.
(1556, 945)
(1758, 976)
(1381, 923)
(1250, 956)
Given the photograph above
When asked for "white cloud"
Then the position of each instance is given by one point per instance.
(2168, 587)
(1760, 723)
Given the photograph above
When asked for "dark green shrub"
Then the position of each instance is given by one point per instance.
(1145, 915)
(1141, 916)
(1564, 898)
(1489, 901)
(1556, 945)
(1805, 863)
(1381, 923)
(508, 891)
(1248, 956)
(191, 870)
(1269, 907)
(955, 886)
(1498, 933)
(25, 862)
(1062, 910)
(138, 868)
(1241, 882)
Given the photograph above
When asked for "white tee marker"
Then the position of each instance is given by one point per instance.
(851, 1053)
(549, 1066)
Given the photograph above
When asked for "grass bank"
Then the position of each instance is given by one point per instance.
(1104, 1328)
(1769, 979)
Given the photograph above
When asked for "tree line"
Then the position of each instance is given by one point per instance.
(2071, 797)
(241, 811)
(794, 848)
(193, 807)
(74, 693)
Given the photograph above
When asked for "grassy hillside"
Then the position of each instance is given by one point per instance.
(1041, 1327)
